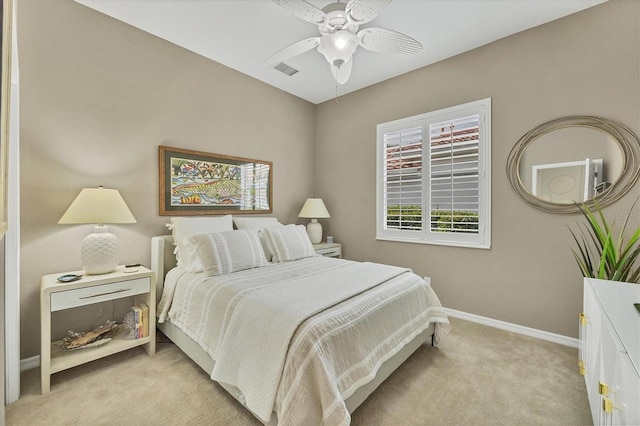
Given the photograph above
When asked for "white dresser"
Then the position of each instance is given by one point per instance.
(609, 355)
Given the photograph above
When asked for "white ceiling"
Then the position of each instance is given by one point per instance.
(243, 34)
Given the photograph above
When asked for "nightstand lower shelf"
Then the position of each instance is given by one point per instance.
(63, 360)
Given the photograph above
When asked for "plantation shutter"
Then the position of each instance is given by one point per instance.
(402, 179)
(454, 180)
(433, 177)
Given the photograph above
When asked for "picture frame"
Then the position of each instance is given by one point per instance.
(202, 183)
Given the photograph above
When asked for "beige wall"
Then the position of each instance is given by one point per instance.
(586, 63)
(98, 97)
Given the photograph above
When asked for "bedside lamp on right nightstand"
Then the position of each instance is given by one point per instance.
(314, 209)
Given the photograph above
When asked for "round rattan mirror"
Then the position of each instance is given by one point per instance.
(575, 159)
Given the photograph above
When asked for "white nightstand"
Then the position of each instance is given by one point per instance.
(329, 249)
(90, 289)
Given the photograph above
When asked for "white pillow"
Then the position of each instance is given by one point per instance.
(259, 223)
(232, 251)
(289, 242)
(183, 228)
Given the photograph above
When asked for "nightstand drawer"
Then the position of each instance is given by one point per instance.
(328, 249)
(330, 252)
(87, 295)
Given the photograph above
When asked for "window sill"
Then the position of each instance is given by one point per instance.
(435, 243)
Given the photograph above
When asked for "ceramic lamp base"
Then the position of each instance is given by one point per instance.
(100, 251)
(314, 229)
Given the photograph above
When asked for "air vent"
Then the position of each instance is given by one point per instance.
(282, 67)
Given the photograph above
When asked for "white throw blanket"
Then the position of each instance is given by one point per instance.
(339, 350)
(260, 325)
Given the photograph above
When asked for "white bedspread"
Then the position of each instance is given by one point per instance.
(301, 337)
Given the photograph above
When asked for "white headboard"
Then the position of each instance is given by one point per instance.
(162, 260)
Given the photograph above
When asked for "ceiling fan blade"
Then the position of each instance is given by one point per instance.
(363, 11)
(303, 10)
(383, 40)
(342, 73)
(293, 50)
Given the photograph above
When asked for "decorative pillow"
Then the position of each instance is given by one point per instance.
(259, 223)
(289, 242)
(232, 251)
(183, 228)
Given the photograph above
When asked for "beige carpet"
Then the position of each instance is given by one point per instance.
(477, 376)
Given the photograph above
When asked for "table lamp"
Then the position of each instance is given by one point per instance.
(314, 209)
(99, 252)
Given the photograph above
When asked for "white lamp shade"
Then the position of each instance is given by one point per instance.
(97, 205)
(100, 250)
(314, 208)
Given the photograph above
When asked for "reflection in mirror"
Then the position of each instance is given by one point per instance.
(574, 159)
(568, 182)
(566, 165)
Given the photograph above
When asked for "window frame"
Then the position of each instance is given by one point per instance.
(482, 239)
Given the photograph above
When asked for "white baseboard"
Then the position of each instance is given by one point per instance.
(520, 329)
(34, 361)
(29, 363)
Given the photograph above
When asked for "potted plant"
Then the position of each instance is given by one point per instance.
(602, 253)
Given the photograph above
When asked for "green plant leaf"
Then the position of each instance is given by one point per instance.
(602, 254)
(584, 260)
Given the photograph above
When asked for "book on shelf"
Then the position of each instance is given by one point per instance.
(145, 319)
(137, 318)
(140, 321)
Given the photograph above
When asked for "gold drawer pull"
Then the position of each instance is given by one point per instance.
(105, 294)
(603, 388)
(583, 319)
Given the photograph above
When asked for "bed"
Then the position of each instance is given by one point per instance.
(296, 341)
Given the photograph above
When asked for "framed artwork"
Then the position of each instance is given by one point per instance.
(201, 183)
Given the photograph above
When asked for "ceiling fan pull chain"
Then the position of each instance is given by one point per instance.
(336, 100)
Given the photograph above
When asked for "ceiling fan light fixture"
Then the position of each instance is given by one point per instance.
(338, 24)
(338, 47)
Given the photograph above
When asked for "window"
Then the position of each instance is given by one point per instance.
(434, 177)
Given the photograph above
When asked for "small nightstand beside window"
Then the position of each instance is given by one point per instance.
(90, 289)
(329, 249)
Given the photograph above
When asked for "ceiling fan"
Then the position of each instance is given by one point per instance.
(338, 24)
